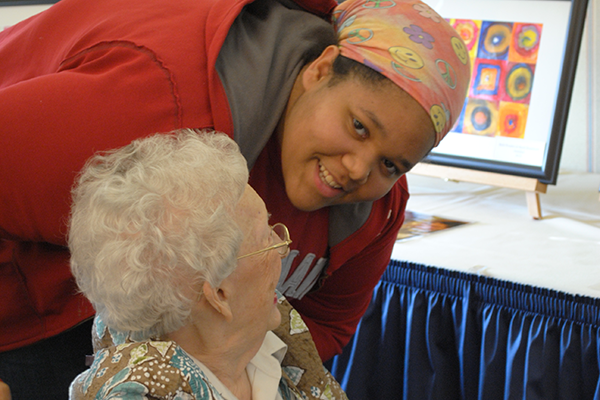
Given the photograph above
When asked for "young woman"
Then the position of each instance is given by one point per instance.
(330, 109)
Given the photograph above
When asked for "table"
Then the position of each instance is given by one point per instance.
(561, 251)
(504, 308)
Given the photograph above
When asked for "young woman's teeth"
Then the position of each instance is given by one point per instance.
(327, 178)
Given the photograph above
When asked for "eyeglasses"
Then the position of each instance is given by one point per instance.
(283, 247)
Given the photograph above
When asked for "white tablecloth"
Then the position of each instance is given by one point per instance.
(560, 251)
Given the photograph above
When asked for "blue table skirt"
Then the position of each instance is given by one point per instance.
(431, 333)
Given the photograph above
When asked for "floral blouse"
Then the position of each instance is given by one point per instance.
(156, 369)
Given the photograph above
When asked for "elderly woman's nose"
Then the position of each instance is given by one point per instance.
(358, 165)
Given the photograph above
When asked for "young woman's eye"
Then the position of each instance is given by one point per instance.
(390, 167)
(359, 128)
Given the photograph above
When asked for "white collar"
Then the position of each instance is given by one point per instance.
(264, 371)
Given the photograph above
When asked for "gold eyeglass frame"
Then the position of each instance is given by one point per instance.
(286, 242)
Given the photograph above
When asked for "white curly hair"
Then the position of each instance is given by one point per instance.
(150, 221)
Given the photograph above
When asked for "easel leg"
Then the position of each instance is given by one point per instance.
(533, 204)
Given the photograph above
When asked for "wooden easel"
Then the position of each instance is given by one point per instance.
(532, 187)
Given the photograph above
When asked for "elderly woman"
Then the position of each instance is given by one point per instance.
(174, 250)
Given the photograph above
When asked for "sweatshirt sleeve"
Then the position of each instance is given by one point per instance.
(50, 124)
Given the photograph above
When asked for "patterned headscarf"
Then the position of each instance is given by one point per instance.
(409, 43)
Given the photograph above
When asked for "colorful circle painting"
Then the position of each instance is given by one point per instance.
(503, 57)
(481, 118)
(495, 40)
(525, 43)
(512, 118)
(527, 39)
(486, 79)
(519, 81)
(468, 31)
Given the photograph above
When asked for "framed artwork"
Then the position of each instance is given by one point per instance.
(25, 2)
(523, 58)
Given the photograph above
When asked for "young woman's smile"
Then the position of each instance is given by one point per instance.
(327, 183)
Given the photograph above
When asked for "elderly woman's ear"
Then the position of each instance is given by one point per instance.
(218, 299)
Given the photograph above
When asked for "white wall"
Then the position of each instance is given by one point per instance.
(581, 150)
(12, 14)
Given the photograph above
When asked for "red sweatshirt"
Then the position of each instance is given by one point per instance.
(86, 76)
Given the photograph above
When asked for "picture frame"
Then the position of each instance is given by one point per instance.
(25, 2)
(524, 57)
